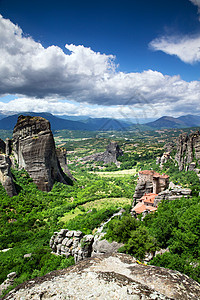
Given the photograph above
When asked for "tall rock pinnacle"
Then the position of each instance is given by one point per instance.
(34, 150)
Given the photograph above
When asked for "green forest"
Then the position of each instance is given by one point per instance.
(28, 220)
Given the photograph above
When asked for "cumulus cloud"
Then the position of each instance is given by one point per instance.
(82, 75)
(197, 3)
(186, 48)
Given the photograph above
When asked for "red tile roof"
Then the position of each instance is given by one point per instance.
(153, 173)
(146, 199)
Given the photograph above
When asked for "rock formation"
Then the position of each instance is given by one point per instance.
(150, 181)
(188, 150)
(163, 159)
(116, 276)
(34, 150)
(70, 242)
(2, 146)
(62, 157)
(173, 193)
(6, 178)
(109, 156)
(8, 282)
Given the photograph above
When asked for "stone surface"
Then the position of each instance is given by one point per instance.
(66, 242)
(6, 178)
(100, 247)
(2, 146)
(163, 159)
(188, 149)
(116, 276)
(62, 157)
(9, 281)
(173, 193)
(109, 156)
(34, 150)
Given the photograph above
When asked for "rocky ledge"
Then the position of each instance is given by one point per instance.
(117, 276)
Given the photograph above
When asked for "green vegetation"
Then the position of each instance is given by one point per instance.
(28, 220)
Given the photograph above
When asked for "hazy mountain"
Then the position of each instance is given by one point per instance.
(190, 120)
(90, 124)
(72, 118)
(56, 123)
(166, 122)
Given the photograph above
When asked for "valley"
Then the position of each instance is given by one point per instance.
(29, 219)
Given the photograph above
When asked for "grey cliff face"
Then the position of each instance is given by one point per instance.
(188, 150)
(34, 150)
(116, 276)
(6, 178)
(111, 154)
(62, 157)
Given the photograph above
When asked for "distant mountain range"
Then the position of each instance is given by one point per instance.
(171, 122)
(57, 123)
(7, 122)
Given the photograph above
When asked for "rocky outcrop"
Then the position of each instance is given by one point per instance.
(74, 243)
(100, 247)
(2, 146)
(141, 188)
(188, 150)
(8, 282)
(173, 193)
(109, 156)
(6, 178)
(66, 242)
(34, 150)
(62, 157)
(116, 276)
(163, 159)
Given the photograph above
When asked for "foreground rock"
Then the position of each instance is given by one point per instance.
(118, 276)
(34, 150)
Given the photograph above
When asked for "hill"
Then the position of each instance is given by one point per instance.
(58, 123)
(171, 122)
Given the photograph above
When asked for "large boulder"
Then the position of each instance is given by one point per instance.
(116, 276)
(34, 150)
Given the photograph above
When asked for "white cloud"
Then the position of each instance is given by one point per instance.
(186, 48)
(41, 74)
(197, 3)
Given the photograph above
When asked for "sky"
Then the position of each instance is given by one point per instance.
(120, 59)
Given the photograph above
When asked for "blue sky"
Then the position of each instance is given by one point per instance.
(101, 58)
